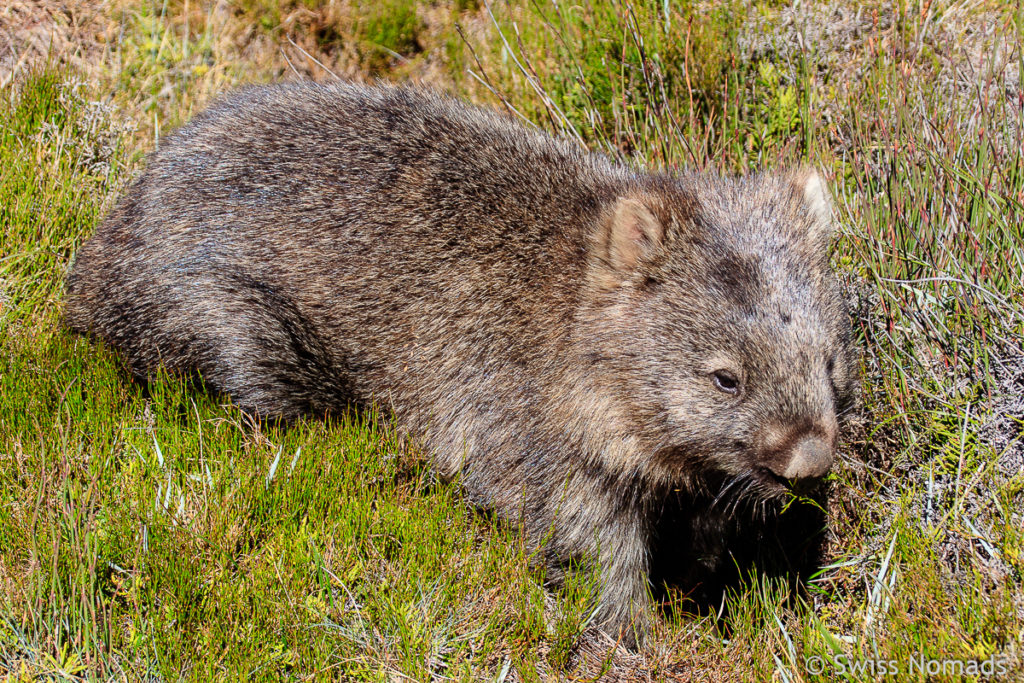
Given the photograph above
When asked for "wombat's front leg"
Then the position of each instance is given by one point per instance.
(602, 528)
(624, 612)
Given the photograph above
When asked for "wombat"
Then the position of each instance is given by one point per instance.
(573, 340)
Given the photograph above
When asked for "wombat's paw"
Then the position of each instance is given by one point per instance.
(628, 625)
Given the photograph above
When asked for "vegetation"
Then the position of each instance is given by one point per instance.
(156, 533)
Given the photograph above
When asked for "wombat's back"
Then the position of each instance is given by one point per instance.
(297, 244)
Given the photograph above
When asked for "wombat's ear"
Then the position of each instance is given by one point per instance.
(634, 233)
(811, 190)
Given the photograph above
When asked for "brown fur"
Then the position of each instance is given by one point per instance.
(548, 323)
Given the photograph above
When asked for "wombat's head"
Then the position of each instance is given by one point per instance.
(723, 329)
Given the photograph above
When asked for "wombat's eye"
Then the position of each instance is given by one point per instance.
(725, 381)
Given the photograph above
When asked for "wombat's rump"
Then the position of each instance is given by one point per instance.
(576, 340)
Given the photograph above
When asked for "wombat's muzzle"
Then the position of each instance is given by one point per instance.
(799, 456)
(811, 459)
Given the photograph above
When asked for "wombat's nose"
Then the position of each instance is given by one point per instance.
(811, 459)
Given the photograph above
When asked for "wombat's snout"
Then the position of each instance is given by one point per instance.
(798, 456)
(811, 458)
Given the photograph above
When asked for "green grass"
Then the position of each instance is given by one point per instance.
(155, 532)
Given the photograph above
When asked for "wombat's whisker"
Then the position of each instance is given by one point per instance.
(725, 490)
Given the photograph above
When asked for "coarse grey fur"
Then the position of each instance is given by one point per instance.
(574, 340)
